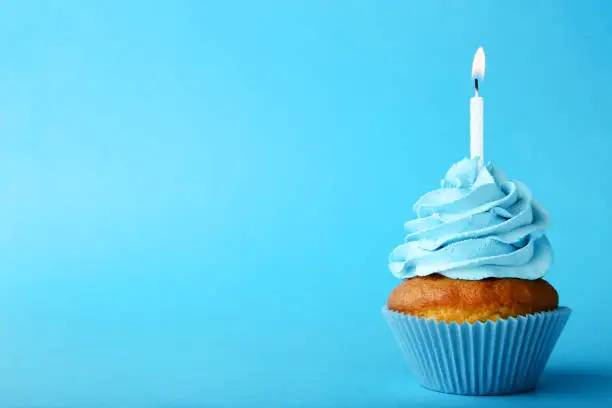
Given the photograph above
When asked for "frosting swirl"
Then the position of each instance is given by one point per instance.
(478, 225)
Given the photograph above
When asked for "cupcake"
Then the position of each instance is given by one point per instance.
(473, 314)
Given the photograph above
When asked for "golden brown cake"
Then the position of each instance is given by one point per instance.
(456, 300)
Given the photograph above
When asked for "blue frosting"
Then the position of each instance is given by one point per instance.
(478, 225)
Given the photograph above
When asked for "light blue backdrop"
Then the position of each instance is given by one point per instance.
(198, 197)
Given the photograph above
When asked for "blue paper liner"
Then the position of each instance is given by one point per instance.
(505, 356)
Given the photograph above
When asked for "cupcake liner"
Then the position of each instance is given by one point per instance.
(505, 356)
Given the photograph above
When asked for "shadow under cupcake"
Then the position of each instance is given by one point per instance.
(472, 314)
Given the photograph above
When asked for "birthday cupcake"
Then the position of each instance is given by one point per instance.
(472, 313)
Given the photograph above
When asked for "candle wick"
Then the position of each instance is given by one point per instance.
(476, 85)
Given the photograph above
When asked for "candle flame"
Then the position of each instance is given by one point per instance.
(478, 66)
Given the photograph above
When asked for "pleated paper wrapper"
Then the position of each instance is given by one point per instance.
(505, 356)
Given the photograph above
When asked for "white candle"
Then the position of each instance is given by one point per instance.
(476, 125)
(477, 109)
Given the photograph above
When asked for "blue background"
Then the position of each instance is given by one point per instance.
(198, 197)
